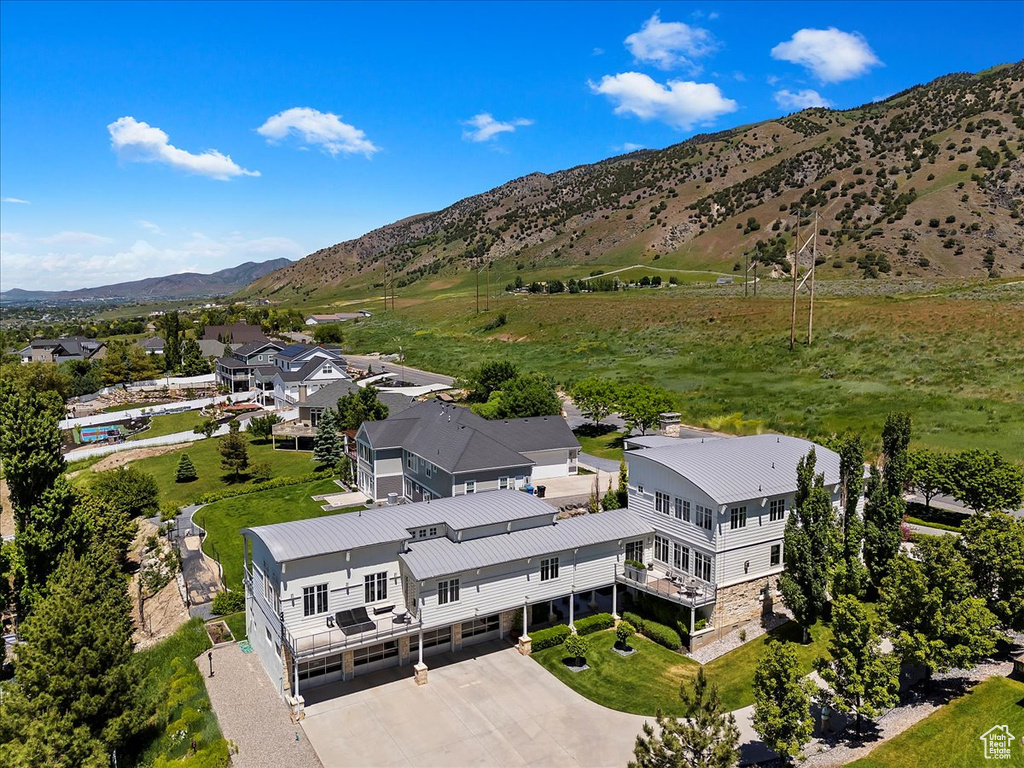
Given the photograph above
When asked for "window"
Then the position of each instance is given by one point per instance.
(479, 626)
(681, 558)
(702, 566)
(661, 502)
(375, 587)
(448, 591)
(428, 469)
(639, 489)
(635, 551)
(371, 653)
(661, 549)
(433, 531)
(327, 368)
(421, 533)
(431, 638)
(268, 587)
(314, 600)
(683, 510)
(703, 517)
(470, 486)
(738, 517)
(502, 483)
(410, 461)
(261, 358)
(776, 557)
(549, 569)
(776, 509)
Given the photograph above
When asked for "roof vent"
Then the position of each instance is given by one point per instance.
(778, 439)
(773, 465)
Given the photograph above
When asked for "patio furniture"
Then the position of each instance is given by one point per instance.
(383, 609)
(354, 622)
(402, 617)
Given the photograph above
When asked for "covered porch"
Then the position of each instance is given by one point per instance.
(668, 584)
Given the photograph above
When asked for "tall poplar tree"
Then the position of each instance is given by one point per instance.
(851, 575)
(884, 512)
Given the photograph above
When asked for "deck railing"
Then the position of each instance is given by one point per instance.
(681, 588)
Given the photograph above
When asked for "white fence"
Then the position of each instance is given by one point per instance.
(167, 382)
(148, 442)
(154, 410)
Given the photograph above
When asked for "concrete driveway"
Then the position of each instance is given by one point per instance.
(485, 706)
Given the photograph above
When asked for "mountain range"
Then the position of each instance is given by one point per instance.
(928, 182)
(180, 286)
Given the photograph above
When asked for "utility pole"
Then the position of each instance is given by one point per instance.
(755, 278)
(746, 272)
(796, 268)
(487, 297)
(477, 270)
(814, 265)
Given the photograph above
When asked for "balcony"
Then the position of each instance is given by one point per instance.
(679, 588)
(386, 626)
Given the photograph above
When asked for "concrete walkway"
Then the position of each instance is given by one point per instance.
(597, 464)
(252, 714)
(485, 706)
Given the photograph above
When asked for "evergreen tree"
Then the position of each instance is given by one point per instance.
(234, 451)
(810, 547)
(851, 576)
(886, 508)
(73, 697)
(172, 340)
(192, 361)
(328, 446)
(782, 701)
(186, 471)
(704, 737)
(936, 620)
(623, 489)
(865, 680)
(30, 443)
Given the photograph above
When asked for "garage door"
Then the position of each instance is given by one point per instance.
(480, 630)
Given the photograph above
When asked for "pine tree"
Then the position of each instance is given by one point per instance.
(74, 695)
(186, 471)
(623, 489)
(234, 451)
(810, 547)
(704, 737)
(782, 701)
(328, 447)
(192, 361)
(172, 340)
(865, 680)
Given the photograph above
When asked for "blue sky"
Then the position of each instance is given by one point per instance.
(140, 139)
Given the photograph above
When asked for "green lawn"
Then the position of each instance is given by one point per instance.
(950, 736)
(206, 456)
(224, 519)
(603, 442)
(170, 423)
(649, 680)
(236, 623)
(944, 519)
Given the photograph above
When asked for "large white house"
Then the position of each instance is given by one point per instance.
(719, 506)
(333, 597)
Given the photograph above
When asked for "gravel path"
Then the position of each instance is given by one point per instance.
(730, 642)
(252, 714)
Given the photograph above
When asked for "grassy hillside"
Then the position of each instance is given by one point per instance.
(949, 354)
(926, 183)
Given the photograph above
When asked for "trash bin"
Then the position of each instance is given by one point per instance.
(540, 491)
(528, 488)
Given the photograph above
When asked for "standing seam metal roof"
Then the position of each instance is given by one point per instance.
(337, 533)
(743, 468)
(430, 558)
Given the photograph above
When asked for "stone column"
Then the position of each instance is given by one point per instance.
(505, 619)
(457, 637)
(403, 650)
(286, 669)
(348, 665)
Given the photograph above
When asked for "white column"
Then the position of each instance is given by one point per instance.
(615, 599)
(572, 601)
(421, 646)
(295, 669)
(525, 634)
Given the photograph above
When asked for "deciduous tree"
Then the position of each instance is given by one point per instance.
(985, 481)
(262, 427)
(641, 405)
(885, 508)
(782, 701)
(359, 406)
(172, 340)
(528, 395)
(930, 474)
(489, 377)
(993, 545)
(865, 681)
(595, 397)
(704, 737)
(851, 576)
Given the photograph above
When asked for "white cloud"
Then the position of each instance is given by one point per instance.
(669, 45)
(75, 238)
(830, 54)
(138, 141)
(631, 147)
(682, 104)
(17, 200)
(598, 52)
(483, 127)
(800, 99)
(322, 129)
(154, 228)
(772, 80)
(40, 266)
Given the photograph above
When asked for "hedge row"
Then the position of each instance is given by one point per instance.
(550, 637)
(266, 485)
(594, 623)
(652, 630)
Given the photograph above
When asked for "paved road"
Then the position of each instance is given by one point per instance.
(948, 502)
(412, 375)
(576, 419)
(598, 464)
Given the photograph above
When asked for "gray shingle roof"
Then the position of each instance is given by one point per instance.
(742, 467)
(457, 440)
(327, 397)
(337, 533)
(255, 346)
(430, 558)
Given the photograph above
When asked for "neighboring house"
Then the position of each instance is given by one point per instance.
(719, 509)
(235, 371)
(434, 450)
(211, 347)
(153, 346)
(236, 333)
(298, 371)
(337, 317)
(333, 597)
(61, 350)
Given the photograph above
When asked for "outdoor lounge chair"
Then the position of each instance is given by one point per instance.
(354, 622)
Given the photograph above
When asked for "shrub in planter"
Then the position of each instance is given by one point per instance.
(594, 623)
(228, 602)
(576, 647)
(623, 632)
(550, 637)
(636, 564)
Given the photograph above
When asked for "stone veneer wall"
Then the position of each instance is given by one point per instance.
(742, 602)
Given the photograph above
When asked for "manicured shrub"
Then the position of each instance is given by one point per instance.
(594, 623)
(635, 619)
(228, 602)
(662, 635)
(623, 632)
(576, 646)
(550, 637)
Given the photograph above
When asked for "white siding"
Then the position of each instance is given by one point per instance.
(549, 463)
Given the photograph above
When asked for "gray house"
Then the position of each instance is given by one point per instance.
(434, 450)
